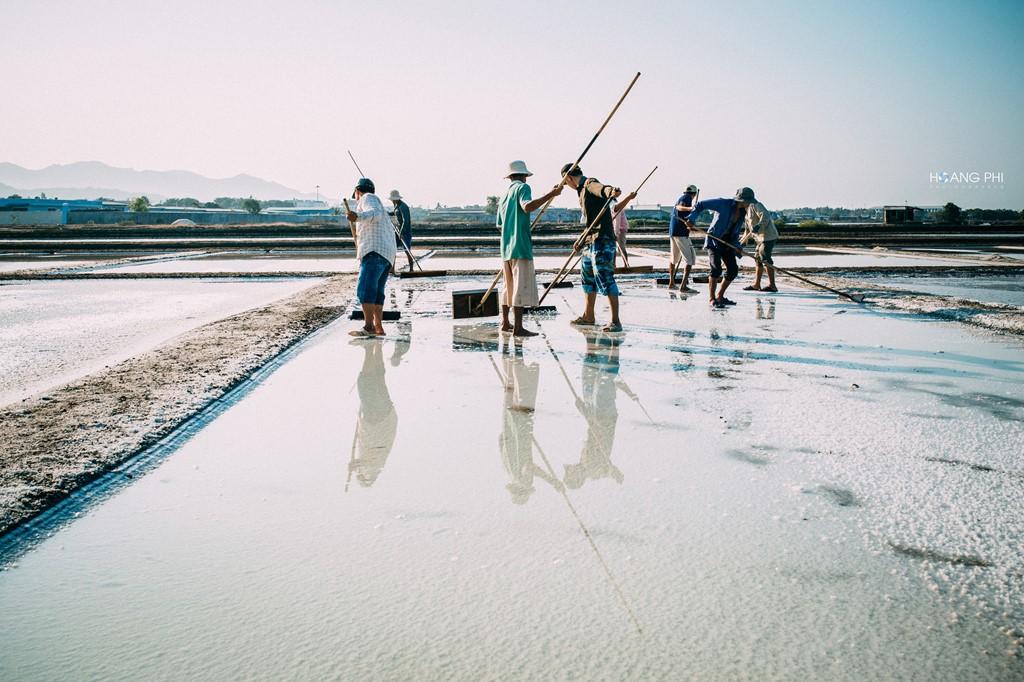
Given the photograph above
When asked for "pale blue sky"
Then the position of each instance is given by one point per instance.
(810, 103)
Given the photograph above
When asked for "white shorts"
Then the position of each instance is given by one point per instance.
(683, 248)
(520, 284)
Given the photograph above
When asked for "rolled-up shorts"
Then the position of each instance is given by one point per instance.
(373, 275)
(719, 256)
(682, 248)
(520, 284)
(598, 268)
(764, 251)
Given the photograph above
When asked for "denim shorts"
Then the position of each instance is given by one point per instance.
(598, 268)
(373, 275)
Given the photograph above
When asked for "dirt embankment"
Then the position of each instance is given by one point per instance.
(52, 444)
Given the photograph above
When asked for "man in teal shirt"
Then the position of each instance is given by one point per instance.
(513, 219)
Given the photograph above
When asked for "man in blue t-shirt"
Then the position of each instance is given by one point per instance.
(679, 240)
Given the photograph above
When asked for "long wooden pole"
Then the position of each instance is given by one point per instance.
(590, 144)
(586, 233)
(855, 299)
(351, 224)
(561, 183)
(354, 163)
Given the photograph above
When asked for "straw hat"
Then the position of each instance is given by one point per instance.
(518, 168)
(395, 196)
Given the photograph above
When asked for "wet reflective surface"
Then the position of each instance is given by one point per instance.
(793, 487)
(1008, 289)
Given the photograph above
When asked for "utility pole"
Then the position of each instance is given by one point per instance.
(318, 194)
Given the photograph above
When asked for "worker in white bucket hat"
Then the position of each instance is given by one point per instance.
(513, 219)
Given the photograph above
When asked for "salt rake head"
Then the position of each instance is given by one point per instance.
(541, 310)
(466, 304)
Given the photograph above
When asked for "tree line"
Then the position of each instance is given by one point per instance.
(250, 205)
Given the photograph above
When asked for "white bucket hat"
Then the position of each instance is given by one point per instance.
(518, 168)
(395, 195)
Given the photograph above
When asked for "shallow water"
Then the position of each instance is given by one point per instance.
(794, 487)
(45, 262)
(1007, 290)
(844, 260)
(249, 262)
(54, 331)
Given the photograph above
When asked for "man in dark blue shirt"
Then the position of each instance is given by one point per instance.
(723, 240)
(679, 240)
(403, 237)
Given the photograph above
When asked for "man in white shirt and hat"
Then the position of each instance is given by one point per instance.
(375, 250)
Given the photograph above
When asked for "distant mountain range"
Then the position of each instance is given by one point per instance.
(92, 179)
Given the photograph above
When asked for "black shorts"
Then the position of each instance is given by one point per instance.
(720, 256)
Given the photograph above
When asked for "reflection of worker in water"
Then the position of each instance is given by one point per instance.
(516, 439)
(597, 405)
(377, 422)
(763, 313)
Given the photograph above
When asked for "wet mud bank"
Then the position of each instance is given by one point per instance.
(53, 444)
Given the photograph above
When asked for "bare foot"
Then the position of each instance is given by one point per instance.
(379, 331)
(523, 332)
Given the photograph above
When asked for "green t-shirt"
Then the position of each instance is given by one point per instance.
(514, 223)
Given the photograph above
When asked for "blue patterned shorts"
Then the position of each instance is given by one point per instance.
(598, 268)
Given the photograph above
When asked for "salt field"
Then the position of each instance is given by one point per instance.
(298, 261)
(795, 487)
(54, 331)
(260, 421)
(1006, 289)
(13, 262)
(249, 262)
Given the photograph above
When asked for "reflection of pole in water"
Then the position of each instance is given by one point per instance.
(593, 545)
(572, 509)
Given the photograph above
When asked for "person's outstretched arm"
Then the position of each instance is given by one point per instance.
(621, 206)
(533, 205)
